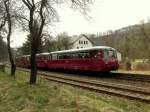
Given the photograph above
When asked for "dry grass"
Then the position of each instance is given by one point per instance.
(140, 72)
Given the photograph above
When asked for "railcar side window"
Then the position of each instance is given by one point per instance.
(93, 53)
(49, 57)
(54, 56)
(65, 56)
(82, 55)
(28, 58)
(59, 56)
(75, 55)
(46, 57)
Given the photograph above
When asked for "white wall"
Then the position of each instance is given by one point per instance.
(82, 44)
(119, 56)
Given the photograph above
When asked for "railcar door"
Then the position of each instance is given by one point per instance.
(97, 57)
(111, 59)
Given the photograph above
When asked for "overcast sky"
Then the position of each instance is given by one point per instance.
(106, 15)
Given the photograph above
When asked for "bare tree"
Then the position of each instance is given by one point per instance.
(2, 17)
(6, 27)
(36, 23)
(41, 13)
(9, 23)
(63, 41)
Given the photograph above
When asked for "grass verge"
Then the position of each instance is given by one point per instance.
(16, 95)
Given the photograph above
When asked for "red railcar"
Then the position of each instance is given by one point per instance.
(100, 58)
(23, 61)
(41, 60)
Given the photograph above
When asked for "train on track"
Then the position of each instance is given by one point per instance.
(95, 59)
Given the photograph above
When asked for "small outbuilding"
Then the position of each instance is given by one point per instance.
(119, 56)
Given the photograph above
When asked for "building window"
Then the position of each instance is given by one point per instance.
(80, 42)
(85, 42)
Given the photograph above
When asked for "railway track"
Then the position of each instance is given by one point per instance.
(130, 92)
(133, 77)
(112, 75)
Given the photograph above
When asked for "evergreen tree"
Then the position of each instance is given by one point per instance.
(26, 47)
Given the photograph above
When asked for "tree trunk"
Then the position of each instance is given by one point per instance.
(34, 48)
(33, 68)
(13, 66)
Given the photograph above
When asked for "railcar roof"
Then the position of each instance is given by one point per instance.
(73, 50)
(23, 56)
(84, 49)
(45, 53)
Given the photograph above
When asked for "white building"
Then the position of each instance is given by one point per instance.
(80, 42)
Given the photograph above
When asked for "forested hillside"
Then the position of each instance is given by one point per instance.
(133, 41)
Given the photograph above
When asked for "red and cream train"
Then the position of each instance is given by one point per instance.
(99, 58)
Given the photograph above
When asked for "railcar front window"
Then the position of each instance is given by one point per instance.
(109, 54)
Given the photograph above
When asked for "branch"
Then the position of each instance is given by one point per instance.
(42, 17)
(3, 23)
(32, 1)
(20, 17)
(31, 8)
(6, 4)
(27, 3)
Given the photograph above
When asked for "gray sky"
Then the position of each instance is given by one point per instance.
(106, 15)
